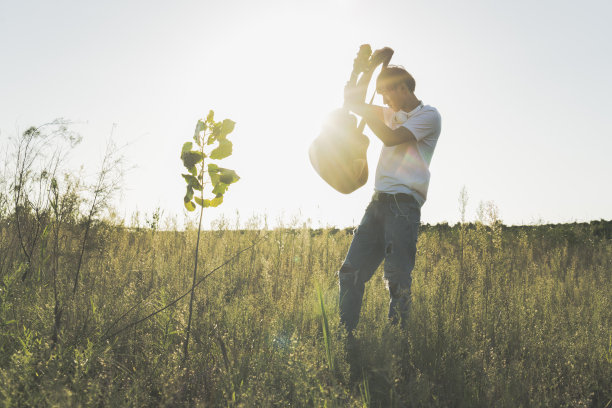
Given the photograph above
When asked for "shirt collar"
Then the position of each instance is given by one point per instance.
(401, 116)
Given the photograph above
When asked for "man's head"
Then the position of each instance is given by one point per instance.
(392, 76)
(396, 86)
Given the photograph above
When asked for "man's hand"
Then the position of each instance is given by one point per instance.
(382, 56)
(354, 95)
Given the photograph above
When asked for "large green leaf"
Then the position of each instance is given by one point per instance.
(190, 206)
(191, 158)
(222, 151)
(213, 173)
(220, 188)
(203, 203)
(215, 202)
(200, 127)
(215, 132)
(228, 176)
(186, 147)
(192, 181)
(189, 193)
(226, 128)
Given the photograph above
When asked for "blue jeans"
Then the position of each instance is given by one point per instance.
(388, 231)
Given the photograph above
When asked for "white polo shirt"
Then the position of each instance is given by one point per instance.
(404, 168)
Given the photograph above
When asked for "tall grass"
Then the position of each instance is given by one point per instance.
(501, 316)
(532, 326)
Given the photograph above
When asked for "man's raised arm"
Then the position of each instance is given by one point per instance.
(373, 116)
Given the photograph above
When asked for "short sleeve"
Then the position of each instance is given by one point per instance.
(425, 124)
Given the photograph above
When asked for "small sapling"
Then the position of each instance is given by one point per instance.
(209, 143)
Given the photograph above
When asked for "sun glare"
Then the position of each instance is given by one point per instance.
(287, 76)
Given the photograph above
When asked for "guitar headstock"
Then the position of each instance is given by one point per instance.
(362, 61)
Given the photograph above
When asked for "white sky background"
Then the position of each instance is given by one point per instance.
(523, 88)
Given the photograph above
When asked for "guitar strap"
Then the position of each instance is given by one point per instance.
(362, 122)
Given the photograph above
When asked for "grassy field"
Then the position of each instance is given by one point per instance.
(501, 316)
(95, 313)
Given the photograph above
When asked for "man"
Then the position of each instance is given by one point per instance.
(388, 231)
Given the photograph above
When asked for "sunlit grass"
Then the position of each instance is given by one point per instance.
(527, 321)
(500, 316)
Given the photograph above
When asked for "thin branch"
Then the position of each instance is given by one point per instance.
(103, 191)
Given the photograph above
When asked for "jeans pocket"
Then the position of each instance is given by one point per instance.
(409, 210)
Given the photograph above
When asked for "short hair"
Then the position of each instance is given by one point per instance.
(394, 75)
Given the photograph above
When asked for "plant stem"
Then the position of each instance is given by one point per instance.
(193, 285)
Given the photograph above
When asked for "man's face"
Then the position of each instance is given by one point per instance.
(395, 96)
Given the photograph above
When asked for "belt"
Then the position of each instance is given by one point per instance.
(378, 196)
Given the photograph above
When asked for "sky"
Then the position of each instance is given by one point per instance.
(523, 89)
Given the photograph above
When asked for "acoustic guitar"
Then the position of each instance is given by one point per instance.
(339, 153)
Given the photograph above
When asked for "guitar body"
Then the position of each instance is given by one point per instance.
(339, 153)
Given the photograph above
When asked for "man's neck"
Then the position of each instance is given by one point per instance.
(411, 104)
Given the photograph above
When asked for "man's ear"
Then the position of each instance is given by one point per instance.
(405, 88)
